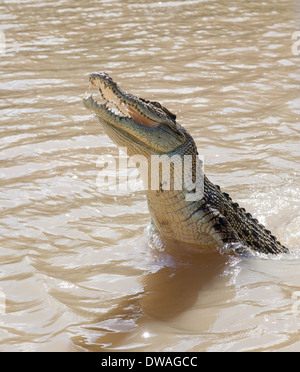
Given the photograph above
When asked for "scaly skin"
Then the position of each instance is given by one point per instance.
(147, 128)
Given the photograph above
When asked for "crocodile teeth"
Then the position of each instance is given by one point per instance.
(101, 101)
(112, 107)
(87, 95)
(123, 108)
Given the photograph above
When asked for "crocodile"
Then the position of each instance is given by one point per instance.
(148, 129)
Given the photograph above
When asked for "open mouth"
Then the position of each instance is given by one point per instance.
(114, 102)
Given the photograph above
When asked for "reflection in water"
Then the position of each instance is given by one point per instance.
(169, 291)
(76, 269)
(172, 290)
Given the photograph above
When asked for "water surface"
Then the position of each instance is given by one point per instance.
(80, 269)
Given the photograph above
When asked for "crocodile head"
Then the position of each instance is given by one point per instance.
(144, 127)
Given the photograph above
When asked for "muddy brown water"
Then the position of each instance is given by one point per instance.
(80, 269)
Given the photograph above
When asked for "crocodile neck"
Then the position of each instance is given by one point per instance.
(212, 219)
